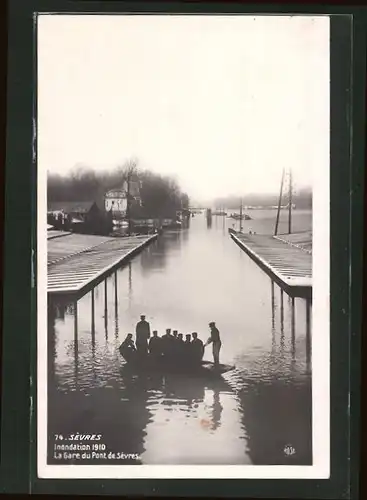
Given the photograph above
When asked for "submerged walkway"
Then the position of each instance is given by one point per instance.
(300, 240)
(290, 267)
(64, 246)
(77, 262)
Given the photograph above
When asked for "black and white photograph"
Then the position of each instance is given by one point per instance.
(183, 246)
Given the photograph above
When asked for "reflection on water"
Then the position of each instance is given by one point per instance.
(182, 281)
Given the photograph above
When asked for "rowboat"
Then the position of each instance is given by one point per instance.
(204, 369)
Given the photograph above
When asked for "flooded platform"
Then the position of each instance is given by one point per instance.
(289, 266)
(302, 240)
(67, 245)
(77, 262)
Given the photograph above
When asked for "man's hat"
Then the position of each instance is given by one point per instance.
(211, 323)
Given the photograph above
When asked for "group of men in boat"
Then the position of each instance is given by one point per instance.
(171, 347)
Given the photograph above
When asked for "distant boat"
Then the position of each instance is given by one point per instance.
(240, 217)
(219, 212)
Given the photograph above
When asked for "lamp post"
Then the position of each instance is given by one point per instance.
(279, 203)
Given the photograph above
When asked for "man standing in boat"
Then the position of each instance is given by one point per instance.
(197, 348)
(188, 350)
(215, 340)
(142, 335)
(180, 349)
(175, 345)
(155, 346)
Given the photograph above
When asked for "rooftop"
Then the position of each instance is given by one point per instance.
(81, 207)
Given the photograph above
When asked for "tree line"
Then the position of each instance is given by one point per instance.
(160, 195)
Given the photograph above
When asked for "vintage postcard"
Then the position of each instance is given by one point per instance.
(183, 246)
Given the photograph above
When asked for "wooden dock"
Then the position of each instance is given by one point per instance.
(78, 262)
(290, 267)
(61, 248)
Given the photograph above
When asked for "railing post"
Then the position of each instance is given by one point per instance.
(293, 327)
(308, 330)
(76, 347)
(105, 308)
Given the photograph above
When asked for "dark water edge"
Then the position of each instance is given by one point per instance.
(265, 442)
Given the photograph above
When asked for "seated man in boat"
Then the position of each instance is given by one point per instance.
(167, 334)
(127, 348)
(197, 348)
(214, 339)
(175, 345)
(180, 342)
(188, 350)
(167, 343)
(142, 335)
(155, 345)
(180, 348)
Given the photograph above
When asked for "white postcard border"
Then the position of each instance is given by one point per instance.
(320, 354)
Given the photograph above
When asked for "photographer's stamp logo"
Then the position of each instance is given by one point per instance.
(289, 450)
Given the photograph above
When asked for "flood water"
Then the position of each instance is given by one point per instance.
(255, 415)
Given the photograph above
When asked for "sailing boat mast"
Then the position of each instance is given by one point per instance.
(290, 203)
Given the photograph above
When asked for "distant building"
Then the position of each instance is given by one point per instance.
(88, 217)
(115, 200)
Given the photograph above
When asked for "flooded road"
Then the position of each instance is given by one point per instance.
(255, 415)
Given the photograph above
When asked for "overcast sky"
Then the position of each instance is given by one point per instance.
(221, 102)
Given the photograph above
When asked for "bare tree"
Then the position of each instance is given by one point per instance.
(160, 195)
